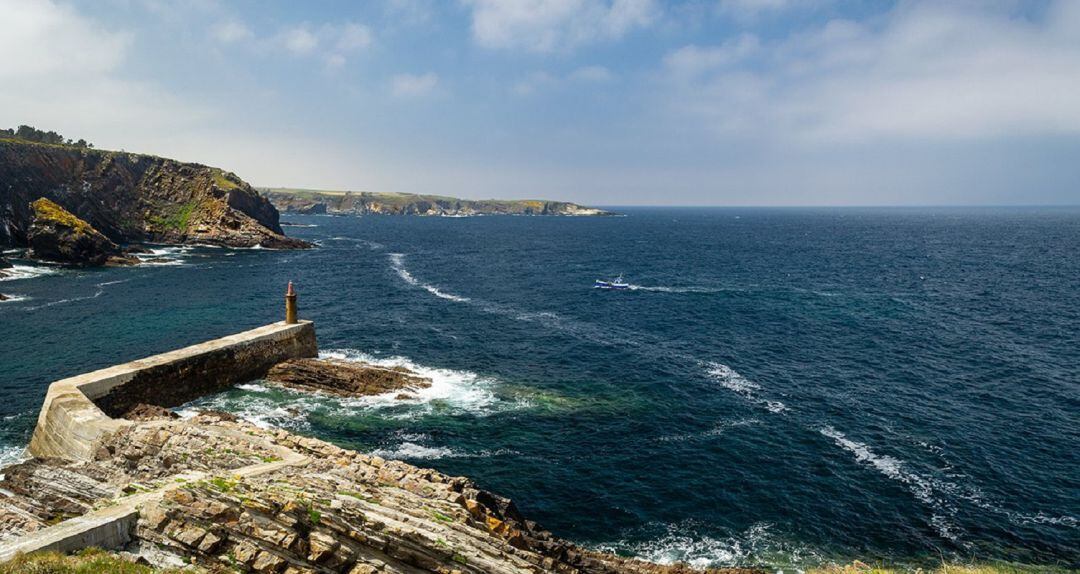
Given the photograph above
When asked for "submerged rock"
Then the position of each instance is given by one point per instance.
(57, 235)
(344, 378)
(3, 297)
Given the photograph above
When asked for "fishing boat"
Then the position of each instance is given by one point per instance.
(618, 283)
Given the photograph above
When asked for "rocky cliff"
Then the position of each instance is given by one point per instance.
(133, 197)
(369, 203)
(57, 235)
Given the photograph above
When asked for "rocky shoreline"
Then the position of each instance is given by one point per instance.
(226, 495)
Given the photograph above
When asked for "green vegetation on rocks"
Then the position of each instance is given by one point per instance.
(89, 561)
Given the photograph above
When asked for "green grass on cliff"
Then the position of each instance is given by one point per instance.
(176, 216)
(50, 211)
(223, 182)
(89, 561)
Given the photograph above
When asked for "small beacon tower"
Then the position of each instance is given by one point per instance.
(290, 305)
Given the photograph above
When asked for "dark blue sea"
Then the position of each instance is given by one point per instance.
(779, 387)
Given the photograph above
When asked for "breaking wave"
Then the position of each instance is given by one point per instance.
(923, 488)
(747, 389)
(18, 271)
(397, 261)
(685, 543)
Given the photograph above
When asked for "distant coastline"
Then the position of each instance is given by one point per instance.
(325, 202)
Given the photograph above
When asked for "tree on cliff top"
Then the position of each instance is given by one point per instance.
(32, 134)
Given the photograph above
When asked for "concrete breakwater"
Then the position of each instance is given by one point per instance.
(80, 411)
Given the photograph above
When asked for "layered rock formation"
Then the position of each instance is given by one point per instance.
(134, 198)
(367, 203)
(57, 235)
(345, 378)
(222, 492)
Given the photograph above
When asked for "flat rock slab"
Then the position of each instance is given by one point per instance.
(344, 378)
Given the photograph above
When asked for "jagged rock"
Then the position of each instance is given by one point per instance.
(3, 297)
(145, 412)
(132, 198)
(57, 235)
(344, 378)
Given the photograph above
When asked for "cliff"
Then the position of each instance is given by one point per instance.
(370, 203)
(133, 197)
(57, 235)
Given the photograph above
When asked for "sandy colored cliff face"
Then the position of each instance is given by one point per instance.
(270, 501)
(134, 198)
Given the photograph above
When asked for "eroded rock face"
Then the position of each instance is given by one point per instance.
(57, 235)
(133, 198)
(344, 378)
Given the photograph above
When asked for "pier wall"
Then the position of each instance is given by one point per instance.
(80, 412)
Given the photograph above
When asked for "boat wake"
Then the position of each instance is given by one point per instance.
(397, 262)
(663, 289)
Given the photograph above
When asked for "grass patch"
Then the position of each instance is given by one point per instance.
(176, 217)
(89, 561)
(223, 182)
(50, 211)
(440, 516)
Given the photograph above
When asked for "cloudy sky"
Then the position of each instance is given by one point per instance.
(612, 102)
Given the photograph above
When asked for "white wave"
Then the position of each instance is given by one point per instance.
(460, 390)
(921, 487)
(747, 389)
(12, 454)
(413, 450)
(14, 299)
(258, 407)
(97, 294)
(682, 544)
(397, 261)
(19, 271)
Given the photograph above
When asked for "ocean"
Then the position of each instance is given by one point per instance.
(779, 387)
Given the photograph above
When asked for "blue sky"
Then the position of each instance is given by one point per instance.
(612, 102)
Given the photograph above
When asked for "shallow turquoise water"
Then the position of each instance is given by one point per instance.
(782, 386)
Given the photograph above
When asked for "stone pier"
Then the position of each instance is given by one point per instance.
(81, 411)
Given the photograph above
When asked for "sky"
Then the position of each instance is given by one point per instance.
(602, 102)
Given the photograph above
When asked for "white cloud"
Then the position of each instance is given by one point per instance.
(331, 42)
(540, 81)
(556, 25)
(63, 71)
(410, 85)
(692, 60)
(231, 31)
(353, 36)
(930, 69)
(41, 39)
(299, 40)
